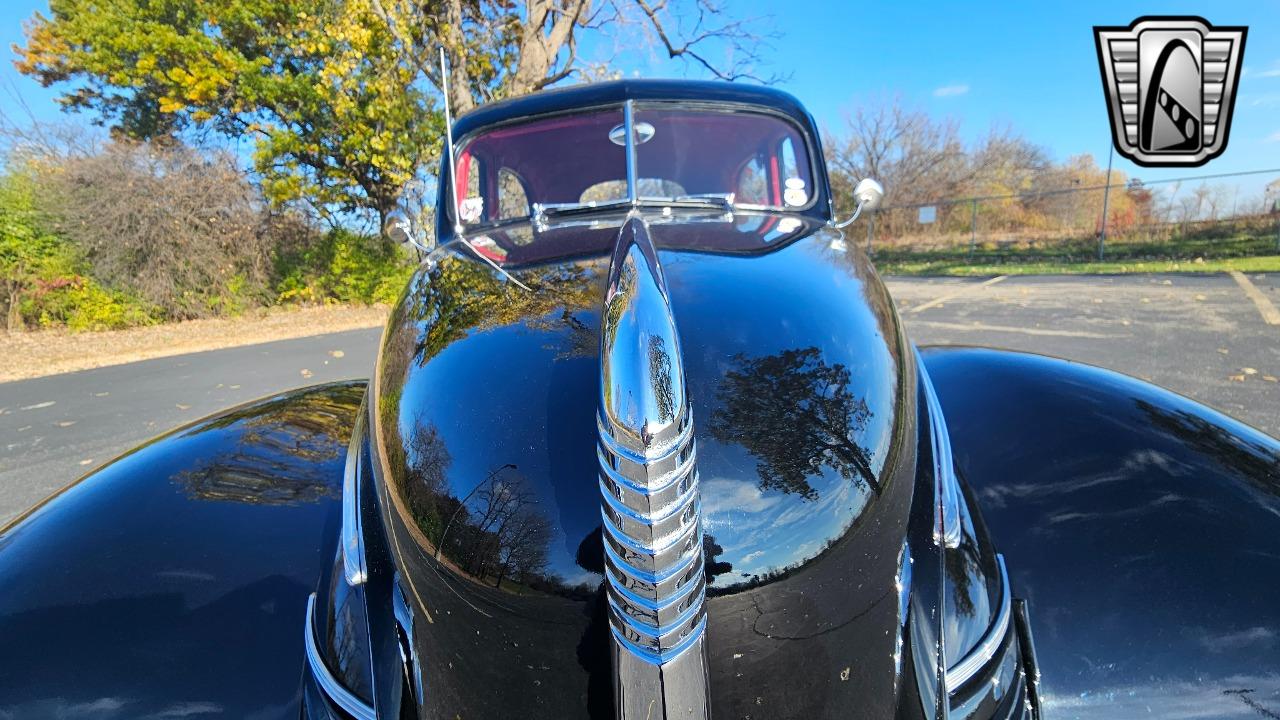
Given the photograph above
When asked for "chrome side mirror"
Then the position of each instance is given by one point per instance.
(399, 229)
(868, 193)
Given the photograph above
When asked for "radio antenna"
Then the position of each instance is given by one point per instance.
(448, 146)
(453, 176)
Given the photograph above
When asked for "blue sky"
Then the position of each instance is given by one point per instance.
(1029, 66)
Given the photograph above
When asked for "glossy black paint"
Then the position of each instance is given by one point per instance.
(173, 581)
(1140, 526)
(805, 412)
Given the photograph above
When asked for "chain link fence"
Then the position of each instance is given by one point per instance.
(1178, 219)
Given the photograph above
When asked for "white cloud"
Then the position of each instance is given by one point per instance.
(1236, 641)
(950, 90)
(1273, 137)
(1172, 699)
(723, 495)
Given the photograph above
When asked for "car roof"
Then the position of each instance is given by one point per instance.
(617, 91)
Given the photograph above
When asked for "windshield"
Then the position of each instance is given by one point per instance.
(742, 159)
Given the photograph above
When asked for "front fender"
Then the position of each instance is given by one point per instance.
(174, 581)
(1142, 527)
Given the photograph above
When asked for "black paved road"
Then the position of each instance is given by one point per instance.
(54, 429)
(1198, 335)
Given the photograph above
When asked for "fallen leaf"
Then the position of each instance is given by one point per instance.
(1200, 297)
(1248, 371)
(66, 423)
(337, 353)
(307, 373)
(1146, 300)
(234, 387)
(86, 461)
(1224, 351)
(1270, 378)
(1236, 378)
(183, 407)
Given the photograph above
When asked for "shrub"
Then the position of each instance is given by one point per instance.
(344, 266)
(182, 229)
(43, 279)
(83, 304)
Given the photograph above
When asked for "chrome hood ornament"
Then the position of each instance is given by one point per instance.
(654, 566)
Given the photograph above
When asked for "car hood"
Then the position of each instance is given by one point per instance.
(484, 418)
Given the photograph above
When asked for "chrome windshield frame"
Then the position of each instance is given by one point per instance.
(628, 122)
(540, 212)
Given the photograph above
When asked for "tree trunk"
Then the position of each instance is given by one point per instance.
(13, 318)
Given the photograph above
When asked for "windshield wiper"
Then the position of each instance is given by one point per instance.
(715, 201)
(543, 211)
(544, 214)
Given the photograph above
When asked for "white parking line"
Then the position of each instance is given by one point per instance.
(959, 293)
(1270, 315)
(982, 327)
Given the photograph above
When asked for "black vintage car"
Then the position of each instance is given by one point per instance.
(646, 439)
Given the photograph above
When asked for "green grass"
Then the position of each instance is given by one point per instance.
(1247, 247)
(1030, 266)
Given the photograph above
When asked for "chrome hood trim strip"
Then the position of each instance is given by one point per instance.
(332, 687)
(947, 528)
(352, 534)
(649, 503)
(986, 649)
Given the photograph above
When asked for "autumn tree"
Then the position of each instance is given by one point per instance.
(334, 118)
(797, 414)
(340, 97)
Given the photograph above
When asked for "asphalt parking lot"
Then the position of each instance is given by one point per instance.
(1201, 335)
(1204, 336)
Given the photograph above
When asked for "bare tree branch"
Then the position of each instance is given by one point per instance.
(735, 33)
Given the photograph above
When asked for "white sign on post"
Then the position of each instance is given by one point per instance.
(928, 214)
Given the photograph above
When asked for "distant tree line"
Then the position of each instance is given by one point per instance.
(252, 148)
(1000, 183)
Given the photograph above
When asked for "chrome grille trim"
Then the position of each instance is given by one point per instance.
(650, 508)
